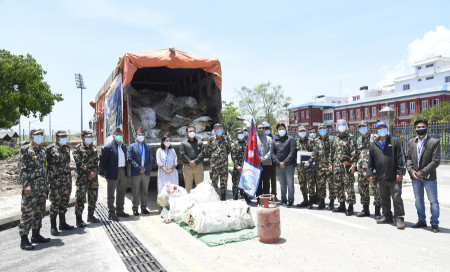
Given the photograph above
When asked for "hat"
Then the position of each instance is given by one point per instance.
(35, 131)
(381, 123)
(245, 128)
(363, 123)
(86, 132)
(60, 133)
(322, 125)
(238, 130)
(117, 130)
(301, 128)
(217, 125)
(140, 130)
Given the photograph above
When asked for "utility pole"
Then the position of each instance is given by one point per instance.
(80, 85)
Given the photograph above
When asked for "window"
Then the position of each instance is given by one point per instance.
(303, 114)
(405, 87)
(352, 127)
(338, 116)
(296, 116)
(392, 106)
(429, 65)
(355, 98)
(403, 124)
(430, 77)
(447, 79)
(343, 115)
(327, 116)
(420, 67)
(351, 114)
(366, 112)
(424, 104)
(373, 126)
(374, 111)
(358, 113)
(419, 79)
(412, 107)
(307, 114)
(402, 108)
(435, 102)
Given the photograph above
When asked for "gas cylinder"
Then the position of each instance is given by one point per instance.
(268, 216)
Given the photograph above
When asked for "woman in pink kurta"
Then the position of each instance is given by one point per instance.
(166, 158)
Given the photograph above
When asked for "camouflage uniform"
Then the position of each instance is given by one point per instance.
(218, 150)
(237, 155)
(363, 163)
(306, 174)
(321, 153)
(33, 173)
(86, 160)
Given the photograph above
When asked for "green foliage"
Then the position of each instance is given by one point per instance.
(6, 151)
(229, 117)
(264, 102)
(23, 90)
(437, 113)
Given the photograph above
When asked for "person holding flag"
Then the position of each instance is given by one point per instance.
(238, 148)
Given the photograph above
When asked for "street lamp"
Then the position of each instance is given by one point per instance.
(29, 129)
(80, 85)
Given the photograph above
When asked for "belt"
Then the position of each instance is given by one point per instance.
(121, 167)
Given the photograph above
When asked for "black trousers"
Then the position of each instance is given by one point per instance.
(264, 181)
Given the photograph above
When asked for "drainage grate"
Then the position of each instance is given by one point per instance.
(134, 255)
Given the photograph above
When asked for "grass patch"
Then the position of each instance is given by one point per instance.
(6, 151)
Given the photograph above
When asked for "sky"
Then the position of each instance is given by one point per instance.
(310, 48)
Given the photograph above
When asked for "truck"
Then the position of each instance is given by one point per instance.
(142, 79)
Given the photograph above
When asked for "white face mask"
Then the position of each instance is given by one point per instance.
(167, 144)
(191, 134)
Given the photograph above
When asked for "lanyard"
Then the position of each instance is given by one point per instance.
(419, 149)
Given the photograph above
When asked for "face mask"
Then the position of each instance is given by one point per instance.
(322, 132)
(88, 141)
(62, 141)
(118, 138)
(267, 131)
(363, 130)
(38, 139)
(240, 136)
(191, 134)
(219, 132)
(342, 128)
(140, 138)
(383, 132)
(282, 132)
(302, 134)
(421, 131)
(245, 133)
(167, 144)
(312, 135)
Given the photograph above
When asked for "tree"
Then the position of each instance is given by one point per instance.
(23, 90)
(229, 117)
(437, 113)
(264, 102)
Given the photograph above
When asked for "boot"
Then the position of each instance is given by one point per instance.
(247, 199)
(223, 196)
(80, 222)
(331, 205)
(305, 202)
(235, 196)
(341, 208)
(25, 243)
(62, 223)
(350, 210)
(377, 212)
(321, 204)
(53, 229)
(36, 237)
(91, 218)
(311, 202)
(365, 211)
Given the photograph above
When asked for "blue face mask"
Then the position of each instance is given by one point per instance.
(312, 135)
(363, 130)
(241, 136)
(219, 132)
(282, 132)
(88, 141)
(118, 138)
(140, 138)
(323, 132)
(38, 139)
(62, 141)
(245, 133)
(302, 134)
(267, 131)
(383, 132)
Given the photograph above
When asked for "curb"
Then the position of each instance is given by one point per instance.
(14, 220)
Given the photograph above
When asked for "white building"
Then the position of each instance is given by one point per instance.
(330, 99)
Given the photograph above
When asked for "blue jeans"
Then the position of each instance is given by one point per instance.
(431, 188)
(286, 178)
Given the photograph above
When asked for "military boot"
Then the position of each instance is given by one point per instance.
(377, 212)
(321, 204)
(36, 237)
(331, 205)
(247, 199)
(349, 210)
(62, 223)
(305, 202)
(341, 208)
(223, 196)
(25, 243)
(53, 229)
(235, 196)
(365, 211)
(311, 202)
(91, 218)
(80, 222)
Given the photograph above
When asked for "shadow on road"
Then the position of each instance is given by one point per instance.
(55, 242)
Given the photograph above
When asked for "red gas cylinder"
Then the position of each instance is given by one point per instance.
(268, 220)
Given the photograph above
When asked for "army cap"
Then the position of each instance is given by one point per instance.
(363, 123)
(322, 125)
(301, 128)
(217, 125)
(238, 130)
(35, 131)
(86, 132)
(245, 129)
(60, 133)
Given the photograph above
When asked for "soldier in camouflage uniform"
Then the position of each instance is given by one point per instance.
(305, 172)
(33, 176)
(362, 144)
(217, 149)
(86, 159)
(238, 147)
(343, 151)
(60, 180)
(320, 156)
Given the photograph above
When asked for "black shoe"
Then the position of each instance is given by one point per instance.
(349, 211)
(223, 196)
(435, 228)
(235, 196)
(276, 199)
(331, 205)
(36, 237)
(62, 223)
(258, 201)
(290, 203)
(283, 202)
(377, 212)
(25, 243)
(113, 217)
(321, 204)
(365, 211)
(304, 203)
(385, 219)
(80, 223)
(92, 219)
(53, 230)
(144, 211)
(247, 199)
(135, 213)
(341, 208)
(122, 214)
(419, 224)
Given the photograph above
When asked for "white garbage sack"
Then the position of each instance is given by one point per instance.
(182, 102)
(219, 216)
(152, 133)
(203, 135)
(202, 119)
(182, 131)
(170, 190)
(147, 116)
(199, 127)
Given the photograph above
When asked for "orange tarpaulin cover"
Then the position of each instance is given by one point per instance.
(163, 57)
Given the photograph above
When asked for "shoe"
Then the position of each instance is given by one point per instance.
(377, 212)
(258, 201)
(113, 217)
(223, 196)
(53, 230)
(419, 224)
(144, 211)
(365, 211)
(25, 243)
(91, 218)
(235, 196)
(62, 223)
(331, 205)
(385, 219)
(311, 203)
(80, 223)
(435, 228)
(283, 202)
(350, 211)
(341, 208)
(290, 203)
(36, 237)
(276, 199)
(247, 199)
(122, 214)
(321, 204)
(304, 203)
(400, 223)
(135, 213)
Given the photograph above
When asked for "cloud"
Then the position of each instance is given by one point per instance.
(390, 73)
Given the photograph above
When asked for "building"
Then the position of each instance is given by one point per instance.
(7, 136)
(310, 115)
